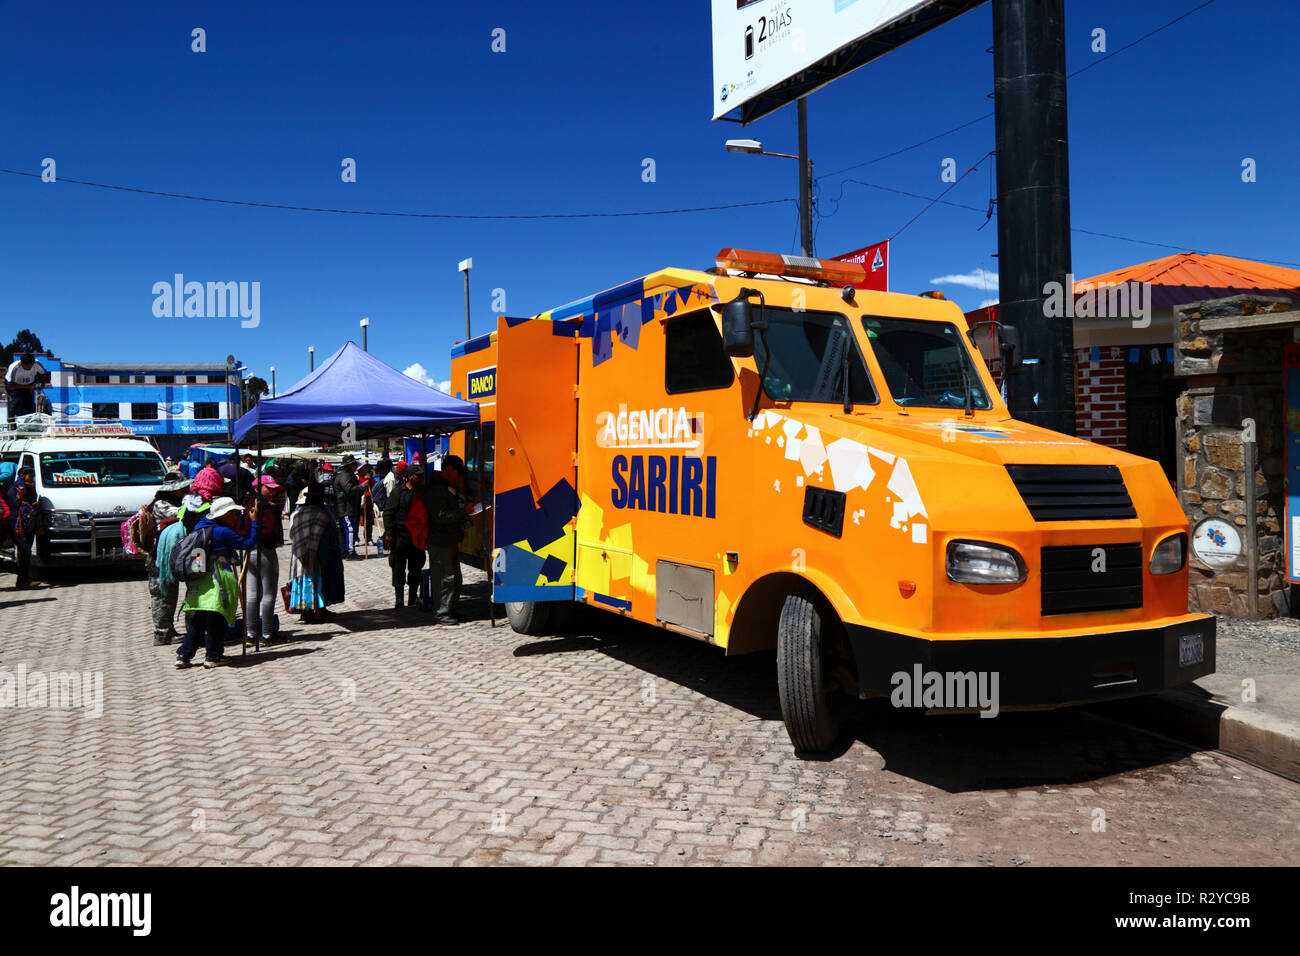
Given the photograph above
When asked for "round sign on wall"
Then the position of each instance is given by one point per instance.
(1216, 542)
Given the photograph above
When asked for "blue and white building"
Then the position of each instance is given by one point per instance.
(174, 403)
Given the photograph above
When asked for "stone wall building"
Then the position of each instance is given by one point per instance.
(1230, 352)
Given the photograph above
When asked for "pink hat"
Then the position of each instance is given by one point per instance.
(267, 481)
(208, 482)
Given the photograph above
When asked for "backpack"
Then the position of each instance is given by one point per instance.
(191, 558)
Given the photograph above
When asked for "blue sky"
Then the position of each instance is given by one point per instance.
(561, 122)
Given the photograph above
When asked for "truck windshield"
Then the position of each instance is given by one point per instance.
(925, 364)
(101, 467)
(807, 360)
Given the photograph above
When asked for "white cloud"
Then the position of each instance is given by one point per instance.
(986, 303)
(980, 279)
(421, 374)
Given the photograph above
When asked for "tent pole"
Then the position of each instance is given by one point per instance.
(257, 638)
(424, 463)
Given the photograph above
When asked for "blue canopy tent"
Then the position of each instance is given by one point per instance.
(353, 395)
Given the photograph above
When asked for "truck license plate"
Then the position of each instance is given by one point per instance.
(1191, 650)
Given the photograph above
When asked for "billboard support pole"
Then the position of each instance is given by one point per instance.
(1034, 204)
(805, 181)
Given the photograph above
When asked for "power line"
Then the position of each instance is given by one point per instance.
(940, 201)
(405, 215)
(940, 196)
(978, 119)
(1145, 36)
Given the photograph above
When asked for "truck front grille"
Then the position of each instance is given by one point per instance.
(1073, 492)
(1091, 577)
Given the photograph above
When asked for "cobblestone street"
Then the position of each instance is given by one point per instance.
(380, 739)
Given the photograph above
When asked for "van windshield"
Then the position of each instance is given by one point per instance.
(808, 358)
(101, 467)
(923, 363)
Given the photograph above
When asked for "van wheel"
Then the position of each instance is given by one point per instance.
(530, 617)
(803, 672)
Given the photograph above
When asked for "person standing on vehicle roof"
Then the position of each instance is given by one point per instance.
(22, 380)
(448, 520)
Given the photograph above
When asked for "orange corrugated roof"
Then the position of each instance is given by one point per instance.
(1192, 277)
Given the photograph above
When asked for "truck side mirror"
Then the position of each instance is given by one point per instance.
(738, 324)
(1012, 354)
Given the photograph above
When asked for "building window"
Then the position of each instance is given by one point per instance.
(192, 379)
(216, 378)
(104, 410)
(101, 379)
(124, 379)
(206, 411)
(139, 380)
(165, 379)
(144, 411)
(694, 359)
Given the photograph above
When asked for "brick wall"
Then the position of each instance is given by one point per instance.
(1100, 400)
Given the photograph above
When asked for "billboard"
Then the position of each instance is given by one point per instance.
(759, 45)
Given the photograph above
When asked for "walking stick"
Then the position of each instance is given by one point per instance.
(243, 607)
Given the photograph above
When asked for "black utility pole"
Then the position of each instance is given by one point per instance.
(805, 182)
(1034, 202)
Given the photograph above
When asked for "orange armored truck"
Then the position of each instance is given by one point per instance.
(761, 456)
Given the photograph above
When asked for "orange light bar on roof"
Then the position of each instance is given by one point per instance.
(798, 267)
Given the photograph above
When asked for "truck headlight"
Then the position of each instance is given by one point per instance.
(978, 562)
(64, 519)
(1170, 554)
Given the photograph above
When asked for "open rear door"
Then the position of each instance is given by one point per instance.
(536, 478)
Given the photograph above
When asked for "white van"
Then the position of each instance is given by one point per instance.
(89, 479)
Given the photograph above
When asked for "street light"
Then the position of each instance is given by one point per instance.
(365, 326)
(273, 381)
(311, 358)
(754, 147)
(465, 266)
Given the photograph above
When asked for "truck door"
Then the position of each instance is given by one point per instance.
(536, 476)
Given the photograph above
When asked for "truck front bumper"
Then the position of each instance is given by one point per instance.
(100, 541)
(1044, 671)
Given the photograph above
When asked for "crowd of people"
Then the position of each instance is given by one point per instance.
(215, 529)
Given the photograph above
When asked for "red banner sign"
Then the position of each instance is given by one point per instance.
(875, 259)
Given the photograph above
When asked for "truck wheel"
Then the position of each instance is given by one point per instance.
(530, 617)
(803, 678)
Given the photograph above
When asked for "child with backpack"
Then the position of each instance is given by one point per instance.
(204, 559)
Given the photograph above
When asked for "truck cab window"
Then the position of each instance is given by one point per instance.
(808, 353)
(923, 363)
(694, 359)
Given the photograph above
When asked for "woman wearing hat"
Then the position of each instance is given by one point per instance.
(155, 518)
(213, 599)
(263, 565)
(315, 557)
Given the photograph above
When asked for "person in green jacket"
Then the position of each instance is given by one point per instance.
(448, 519)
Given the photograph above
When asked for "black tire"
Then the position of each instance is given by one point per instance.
(530, 617)
(807, 696)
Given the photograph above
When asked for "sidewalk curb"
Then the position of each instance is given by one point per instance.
(1211, 719)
